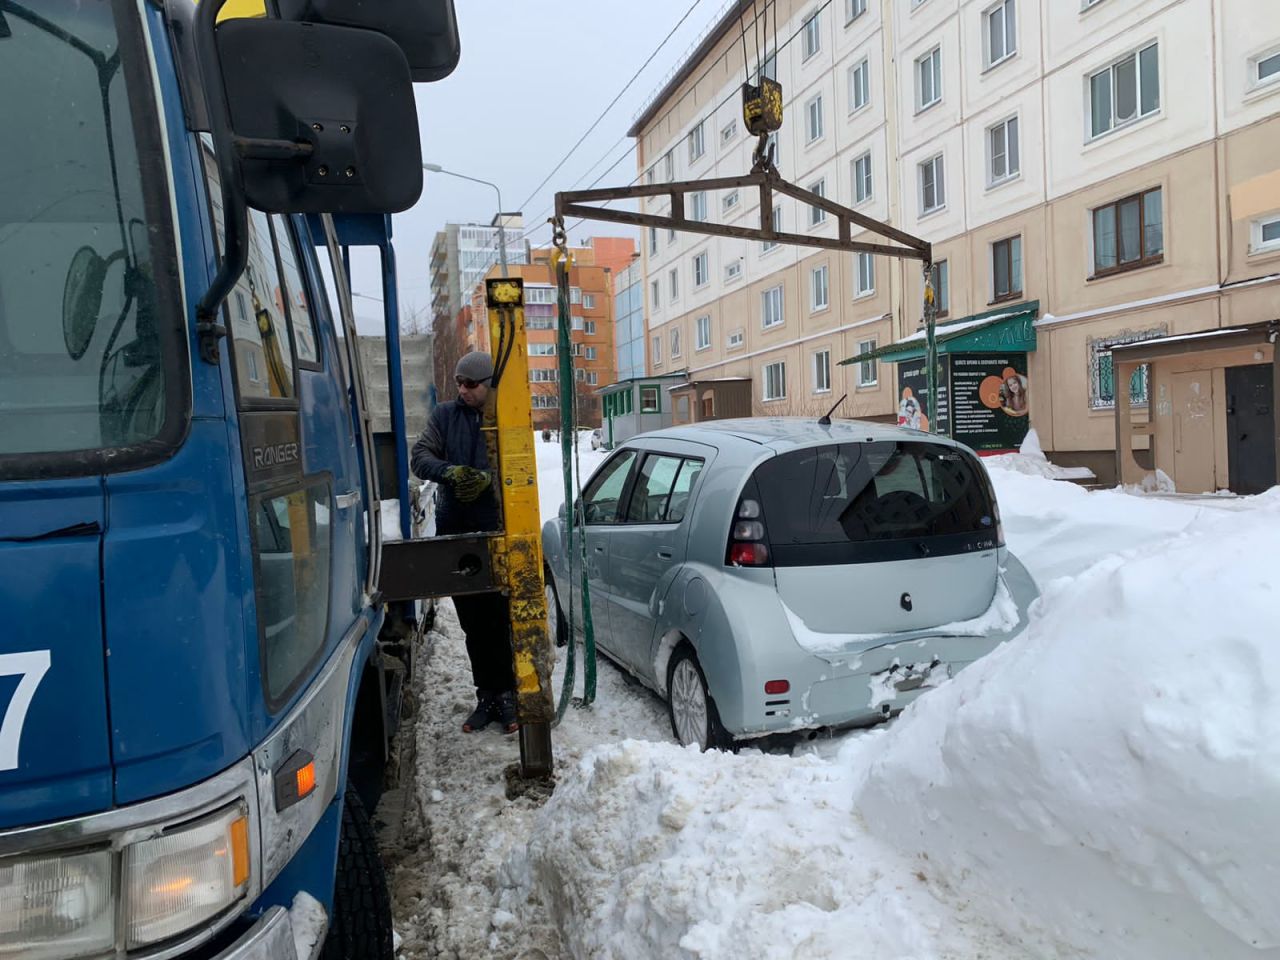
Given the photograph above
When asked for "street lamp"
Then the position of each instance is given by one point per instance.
(502, 234)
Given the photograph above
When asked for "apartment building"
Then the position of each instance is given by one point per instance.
(462, 254)
(1091, 174)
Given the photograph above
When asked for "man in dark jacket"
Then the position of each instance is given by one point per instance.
(452, 452)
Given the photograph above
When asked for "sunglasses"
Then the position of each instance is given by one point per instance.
(469, 384)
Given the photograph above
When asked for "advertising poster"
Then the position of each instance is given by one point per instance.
(913, 396)
(989, 400)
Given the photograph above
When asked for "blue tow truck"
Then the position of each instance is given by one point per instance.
(199, 675)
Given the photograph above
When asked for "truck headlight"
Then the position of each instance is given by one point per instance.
(186, 876)
(58, 905)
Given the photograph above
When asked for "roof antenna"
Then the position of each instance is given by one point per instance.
(825, 419)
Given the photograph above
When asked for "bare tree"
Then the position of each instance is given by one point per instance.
(447, 350)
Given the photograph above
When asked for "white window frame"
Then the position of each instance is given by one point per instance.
(697, 142)
(819, 288)
(822, 371)
(589, 327)
(655, 293)
(939, 170)
(675, 343)
(701, 265)
(702, 332)
(853, 9)
(536, 349)
(817, 215)
(868, 370)
(673, 282)
(733, 270)
(863, 180)
(1256, 80)
(589, 353)
(933, 62)
(813, 125)
(768, 246)
(588, 301)
(729, 201)
(1009, 36)
(774, 295)
(1016, 289)
(860, 70)
(653, 240)
(657, 349)
(729, 132)
(669, 166)
(865, 278)
(1136, 53)
(1257, 244)
(735, 339)
(811, 36)
(778, 369)
(698, 205)
(942, 286)
(1012, 154)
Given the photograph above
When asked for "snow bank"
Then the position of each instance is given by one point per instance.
(1110, 784)
(1030, 459)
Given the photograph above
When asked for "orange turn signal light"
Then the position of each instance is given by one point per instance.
(306, 779)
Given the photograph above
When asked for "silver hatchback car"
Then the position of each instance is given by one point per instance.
(779, 575)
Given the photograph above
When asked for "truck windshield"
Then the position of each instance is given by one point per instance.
(88, 278)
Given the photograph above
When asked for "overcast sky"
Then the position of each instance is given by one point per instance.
(533, 77)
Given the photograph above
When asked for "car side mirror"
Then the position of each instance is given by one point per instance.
(322, 117)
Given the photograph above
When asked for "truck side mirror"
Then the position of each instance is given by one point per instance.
(322, 117)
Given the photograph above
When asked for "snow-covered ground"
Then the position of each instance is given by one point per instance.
(1107, 785)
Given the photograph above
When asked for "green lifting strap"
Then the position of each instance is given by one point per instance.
(569, 460)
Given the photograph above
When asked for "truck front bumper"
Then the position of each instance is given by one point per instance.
(273, 937)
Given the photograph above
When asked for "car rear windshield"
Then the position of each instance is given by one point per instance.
(853, 502)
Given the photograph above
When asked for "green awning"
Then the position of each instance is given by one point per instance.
(1007, 329)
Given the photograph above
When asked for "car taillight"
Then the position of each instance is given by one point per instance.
(748, 543)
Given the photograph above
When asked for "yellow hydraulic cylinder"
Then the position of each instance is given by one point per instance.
(517, 553)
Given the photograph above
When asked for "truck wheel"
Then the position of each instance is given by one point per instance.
(360, 928)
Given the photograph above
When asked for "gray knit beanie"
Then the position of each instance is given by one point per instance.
(477, 365)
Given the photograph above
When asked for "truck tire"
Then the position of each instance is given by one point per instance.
(360, 928)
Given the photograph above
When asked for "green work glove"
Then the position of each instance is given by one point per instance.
(467, 482)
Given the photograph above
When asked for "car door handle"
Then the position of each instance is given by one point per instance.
(345, 500)
(665, 554)
(599, 549)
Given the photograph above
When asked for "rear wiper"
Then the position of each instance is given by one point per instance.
(88, 529)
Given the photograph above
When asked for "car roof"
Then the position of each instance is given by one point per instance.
(782, 433)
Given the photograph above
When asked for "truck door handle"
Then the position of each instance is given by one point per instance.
(345, 500)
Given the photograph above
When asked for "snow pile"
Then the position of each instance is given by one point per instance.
(1030, 459)
(651, 850)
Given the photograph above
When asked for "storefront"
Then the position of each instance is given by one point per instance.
(984, 389)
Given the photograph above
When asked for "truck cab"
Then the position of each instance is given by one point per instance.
(198, 677)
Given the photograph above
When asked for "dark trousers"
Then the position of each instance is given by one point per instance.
(486, 620)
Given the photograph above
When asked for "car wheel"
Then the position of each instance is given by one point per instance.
(360, 928)
(693, 713)
(557, 626)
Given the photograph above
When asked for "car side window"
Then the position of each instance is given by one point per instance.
(683, 488)
(601, 498)
(653, 489)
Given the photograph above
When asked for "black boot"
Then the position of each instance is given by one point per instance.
(485, 713)
(505, 711)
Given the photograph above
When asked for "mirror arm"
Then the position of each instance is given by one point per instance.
(257, 148)
(235, 212)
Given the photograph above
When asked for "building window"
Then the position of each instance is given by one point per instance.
(575, 295)
(866, 275)
(768, 69)
(816, 214)
(733, 270)
(702, 333)
(775, 380)
(657, 350)
(1006, 269)
(1002, 32)
(933, 191)
(853, 9)
(653, 292)
(588, 301)
(548, 375)
(673, 281)
(589, 328)
(669, 166)
(813, 119)
(1002, 152)
(675, 343)
(822, 371)
(1102, 383)
(651, 176)
(767, 245)
(1126, 91)
(577, 322)
(542, 349)
(589, 353)
(653, 240)
(1128, 234)
(1266, 234)
(736, 339)
(671, 237)
(774, 148)
(650, 400)
(812, 28)
(929, 79)
(729, 200)
(942, 287)
(701, 271)
(539, 295)
(819, 288)
(771, 307)
(729, 133)
(862, 178)
(697, 141)
(698, 205)
(868, 370)
(545, 401)
(859, 85)
(1266, 69)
